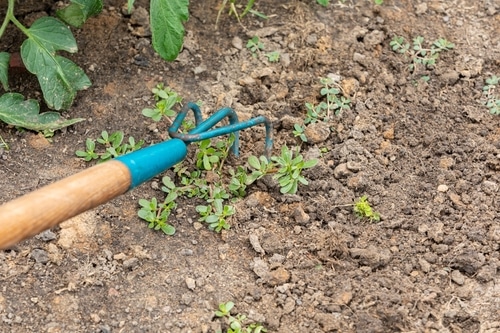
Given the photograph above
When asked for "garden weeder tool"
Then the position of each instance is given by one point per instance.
(42, 209)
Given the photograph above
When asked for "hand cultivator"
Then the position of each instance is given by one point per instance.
(37, 211)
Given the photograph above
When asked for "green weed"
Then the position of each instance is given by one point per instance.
(417, 53)
(255, 45)
(273, 56)
(290, 167)
(111, 146)
(237, 323)
(334, 102)
(298, 132)
(166, 99)
(492, 100)
(362, 209)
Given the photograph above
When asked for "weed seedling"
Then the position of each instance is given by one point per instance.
(232, 10)
(215, 215)
(238, 184)
(335, 102)
(420, 55)
(290, 168)
(237, 324)
(492, 99)
(113, 147)
(298, 132)
(273, 56)
(157, 214)
(166, 99)
(255, 45)
(362, 209)
(260, 167)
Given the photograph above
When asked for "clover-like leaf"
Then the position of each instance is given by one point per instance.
(16, 111)
(59, 77)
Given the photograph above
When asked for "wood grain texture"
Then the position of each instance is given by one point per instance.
(37, 211)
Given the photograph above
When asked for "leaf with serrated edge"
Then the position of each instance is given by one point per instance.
(16, 111)
(4, 70)
(167, 17)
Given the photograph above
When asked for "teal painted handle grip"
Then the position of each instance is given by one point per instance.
(146, 163)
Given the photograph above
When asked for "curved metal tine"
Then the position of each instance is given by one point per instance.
(236, 127)
(198, 118)
(198, 133)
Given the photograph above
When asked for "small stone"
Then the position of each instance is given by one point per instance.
(120, 256)
(486, 273)
(95, 318)
(40, 256)
(341, 171)
(424, 265)
(131, 263)
(442, 188)
(457, 277)
(254, 241)
(450, 77)
(489, 187)
(301, 217)
(278, 276)
(469, 262)
(330, 322)
(373, 38)
(317, 132)
(372, 256)
(288, 122)
(46, 236)
(260, 268)
(190, 283)
(389, 134)
(421, 8)
(277, 258)
(455, 198)
(354, 166)
(344, 298)
(289, 305)
(186, 252)
(237, 42)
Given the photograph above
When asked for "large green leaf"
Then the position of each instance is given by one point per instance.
(79, 11)
(59, 77)
(4, 70)
(167, 17)
(16, 111)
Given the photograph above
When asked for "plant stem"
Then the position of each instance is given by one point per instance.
(8, 17)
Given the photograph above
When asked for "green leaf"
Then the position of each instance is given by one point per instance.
(59, 77)
(167, 17)
(79, 11)
(16, 111)
(4, 70)
(168, 229)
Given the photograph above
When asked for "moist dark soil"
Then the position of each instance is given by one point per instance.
(421, 145)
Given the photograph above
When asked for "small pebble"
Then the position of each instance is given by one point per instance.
(190, 283)
(442, 188)
(40, 256)
(46, 236)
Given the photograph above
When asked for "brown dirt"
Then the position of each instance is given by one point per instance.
(430, 265)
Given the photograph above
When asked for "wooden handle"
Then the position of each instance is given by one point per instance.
(40, 210)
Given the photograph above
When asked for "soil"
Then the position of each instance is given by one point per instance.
(426, 153)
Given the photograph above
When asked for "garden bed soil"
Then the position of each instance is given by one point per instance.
(420, 145)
